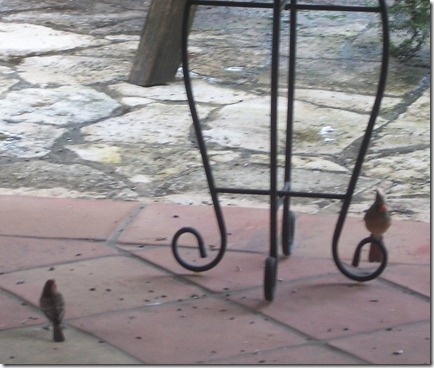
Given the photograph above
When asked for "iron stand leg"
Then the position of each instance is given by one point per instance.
(274, 194)
(288, 225)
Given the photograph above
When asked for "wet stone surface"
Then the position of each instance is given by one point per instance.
(71, 125)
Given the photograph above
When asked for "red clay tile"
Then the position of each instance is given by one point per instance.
(414, 277)
(34, 346)
(24, 253)
(329, 306)
(100, 285)
(188, 332)
(61, 217)
(17, 313)
(237, 270)
(404, 344)
(306, 354)
(157, 223)
(248, 229)
(409, 242)
(406, 241)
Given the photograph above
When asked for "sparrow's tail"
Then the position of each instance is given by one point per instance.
(375, 253)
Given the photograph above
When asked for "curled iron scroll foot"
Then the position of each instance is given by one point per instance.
(368, 240)
(366, 276)
(202, 250)
(357, 273)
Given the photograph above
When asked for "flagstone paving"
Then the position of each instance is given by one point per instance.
(72, 126)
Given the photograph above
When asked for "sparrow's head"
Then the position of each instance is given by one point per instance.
(50, 287)
(380, 200)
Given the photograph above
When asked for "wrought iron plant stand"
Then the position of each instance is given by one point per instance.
(279, 197)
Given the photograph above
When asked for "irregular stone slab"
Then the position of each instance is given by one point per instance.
(56, 106)
(317, 164)
(316, 129)
(346, 101)
(93, 18)
(148, 166)
(321, 163)
(119, 48)
(27, 140)
(69, 69)
(415, 209)
(203, 92)
(126, 38)
(242, 175)
(312, 21)
(20, 5)
(223, 156)
(7, 79)
(157, 123)
(410, 129)
(136, 101)
(153, 168)
(38, 39)
(102, 153)
(252, 176)
(43, 175)
(409, 171)
(311, 47)
(341, 26)
(339, 75)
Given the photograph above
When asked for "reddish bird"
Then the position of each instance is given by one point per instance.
(377, 221)
(53, 306)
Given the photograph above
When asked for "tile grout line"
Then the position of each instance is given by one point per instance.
(405, 289)
(404, 324)
(117, 232)
(101, 340)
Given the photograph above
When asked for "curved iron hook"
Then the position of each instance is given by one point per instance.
(206, 164)
(357, 253)
(355, 274)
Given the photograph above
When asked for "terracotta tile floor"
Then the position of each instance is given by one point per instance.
(129, 302)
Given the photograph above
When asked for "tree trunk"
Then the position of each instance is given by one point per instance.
(159, 54)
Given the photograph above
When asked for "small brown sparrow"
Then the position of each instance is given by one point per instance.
(53, 306)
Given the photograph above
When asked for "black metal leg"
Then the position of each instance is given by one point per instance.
(288, 225)
(361, 275)
(271, 261)
(206, 164)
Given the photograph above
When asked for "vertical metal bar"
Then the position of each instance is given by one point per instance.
(291, 89)
(203, 152)
(290, 116)
(273, 127)
(363, 147)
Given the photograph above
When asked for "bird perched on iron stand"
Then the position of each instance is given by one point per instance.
(53, 306)
(377, 220)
